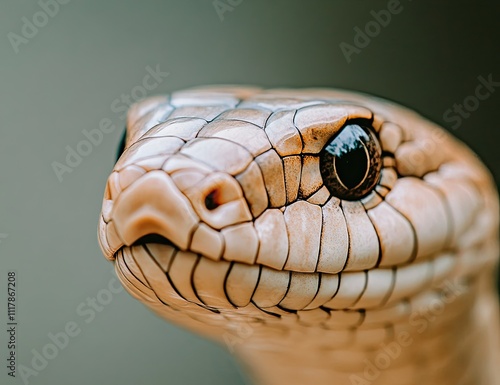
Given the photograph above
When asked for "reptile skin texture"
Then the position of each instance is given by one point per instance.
(322, 236)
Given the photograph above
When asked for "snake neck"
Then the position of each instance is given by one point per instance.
(451, 342)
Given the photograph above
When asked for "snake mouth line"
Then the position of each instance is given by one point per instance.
(154, 238)
(154, 265)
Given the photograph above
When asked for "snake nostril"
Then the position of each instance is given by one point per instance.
(212, 200)
(219, 201)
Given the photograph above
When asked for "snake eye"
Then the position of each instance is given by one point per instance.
(351, 162)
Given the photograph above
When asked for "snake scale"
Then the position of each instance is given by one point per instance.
(324, 236)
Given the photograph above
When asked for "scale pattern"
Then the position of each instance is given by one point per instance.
(396, 288)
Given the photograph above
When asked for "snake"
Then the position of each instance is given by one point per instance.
(323, 236)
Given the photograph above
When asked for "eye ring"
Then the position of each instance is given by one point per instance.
(351, 162)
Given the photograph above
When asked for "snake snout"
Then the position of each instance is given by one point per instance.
(182, 202)
(154, 205)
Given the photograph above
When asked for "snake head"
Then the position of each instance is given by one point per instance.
(310, 207)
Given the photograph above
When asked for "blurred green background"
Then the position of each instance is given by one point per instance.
(62, 77)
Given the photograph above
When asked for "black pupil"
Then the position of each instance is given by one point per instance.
(350, 156)
(351, 167)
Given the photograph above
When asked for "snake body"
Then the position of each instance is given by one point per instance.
(236, 213)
